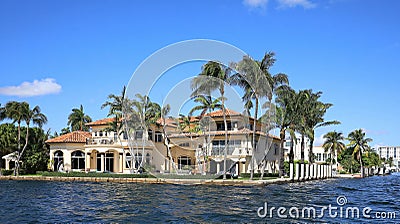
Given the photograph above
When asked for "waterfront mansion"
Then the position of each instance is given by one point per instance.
(166, 147)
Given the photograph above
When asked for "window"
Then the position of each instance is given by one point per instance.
(184, 162)
(288, 144)
(184, 144)
(319, 157)
(78, 160)
(58, 160)
(138, 159)
(221, 127)
(218, 147)
(148, 158)
(276, 149)
(109, 163)
(394, 153)
(128, 160)
(138, 134)
(150, 133)
(158, 136)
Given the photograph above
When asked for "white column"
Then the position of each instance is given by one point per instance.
(291, 171)
(237, 168)
(297, 171)
(87, 162)
(302, 171)
(102, 162)
(318, 171)
(311, 174)
(218, 167)
(121, 163)
(307, 176)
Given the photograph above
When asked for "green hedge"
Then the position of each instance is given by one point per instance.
(82, 174)
(5, 172)
(257, 175)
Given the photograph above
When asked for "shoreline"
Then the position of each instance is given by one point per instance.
(217, 182)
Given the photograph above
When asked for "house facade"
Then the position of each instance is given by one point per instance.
(165, 147)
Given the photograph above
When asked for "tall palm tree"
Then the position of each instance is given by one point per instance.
(359, 143)
(333, 143)
(17, 112)
(36, 117)
(315, 111)
(77, 119)
(281, 118)
(257, 82)
(116, 104)
(206, 104)
(214, 76)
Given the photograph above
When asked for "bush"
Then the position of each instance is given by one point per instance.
(81, 174)
(5, 172)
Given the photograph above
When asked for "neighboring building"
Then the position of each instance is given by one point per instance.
(105, 151)
(386, 152)
(296, 147)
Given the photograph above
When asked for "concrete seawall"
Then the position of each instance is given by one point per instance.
(235, 182)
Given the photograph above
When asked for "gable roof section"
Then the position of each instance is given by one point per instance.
(73, 137)
(103, 121)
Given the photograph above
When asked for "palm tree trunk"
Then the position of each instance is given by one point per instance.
(291, 153)
(282, 153)
(310, 152)
(226, 135)
(19, 148)
(302, 149)
(23, 149)
(361, 163)
(254, 147)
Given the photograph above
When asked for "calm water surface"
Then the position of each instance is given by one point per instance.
(50, 202)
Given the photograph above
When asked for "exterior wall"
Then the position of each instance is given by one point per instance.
(390, 152)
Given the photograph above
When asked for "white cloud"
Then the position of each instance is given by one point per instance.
(294, 3)
(35, 88)
(255, 3)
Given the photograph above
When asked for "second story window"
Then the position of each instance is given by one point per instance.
(138, 134)
(158, 137)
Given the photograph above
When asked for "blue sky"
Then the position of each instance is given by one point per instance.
(80, 51)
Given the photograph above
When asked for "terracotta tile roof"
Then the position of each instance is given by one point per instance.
(73, 137)
(168, 121)
(219, 113)
(103, 121)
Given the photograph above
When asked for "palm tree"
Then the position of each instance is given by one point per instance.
(333, 144)
(17, 112)
(282, 117)
(359, 143)
(315, 112)
(206, 103)
(258, 82)
(214, 76)
(116, 104)
(36, 117)
(77, 119)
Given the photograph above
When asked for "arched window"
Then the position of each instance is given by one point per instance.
(58, 160)
(128, 160)
(148, 158)
(184, 162)
(78, 160)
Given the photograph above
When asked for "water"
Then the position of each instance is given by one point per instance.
(51, 202)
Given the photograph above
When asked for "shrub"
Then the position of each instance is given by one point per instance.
(5, 172)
